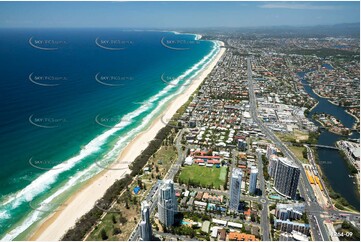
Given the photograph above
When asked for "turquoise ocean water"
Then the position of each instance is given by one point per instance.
(71, 100)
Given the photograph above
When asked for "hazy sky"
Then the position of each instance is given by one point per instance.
(175, 14)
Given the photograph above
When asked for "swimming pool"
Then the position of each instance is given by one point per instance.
(276, 197)
(184, 222)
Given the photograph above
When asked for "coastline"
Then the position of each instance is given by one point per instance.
(57, 224)
(319, 95)
(331, 102)
(354, 126)
(329, 129)
(353, 115)
(328, 99)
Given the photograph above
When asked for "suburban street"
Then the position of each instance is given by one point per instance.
(316, 213)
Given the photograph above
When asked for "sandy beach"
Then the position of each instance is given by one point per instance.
(55, 226)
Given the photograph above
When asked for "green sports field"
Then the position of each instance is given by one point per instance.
(203, 176)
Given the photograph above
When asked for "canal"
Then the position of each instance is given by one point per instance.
(331, 161)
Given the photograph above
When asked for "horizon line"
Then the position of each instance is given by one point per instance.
(167, 28)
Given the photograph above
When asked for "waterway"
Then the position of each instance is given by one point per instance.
(333, 165)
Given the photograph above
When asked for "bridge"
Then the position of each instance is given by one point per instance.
(324, 146)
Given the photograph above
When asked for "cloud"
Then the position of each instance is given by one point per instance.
(300, 6)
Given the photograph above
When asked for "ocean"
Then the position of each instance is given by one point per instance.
(71, 100)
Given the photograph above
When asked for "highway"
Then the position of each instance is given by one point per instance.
(265, 222)
(305, 188)
(313, 163)
(315, 211)
(175, 167)
(152, 201)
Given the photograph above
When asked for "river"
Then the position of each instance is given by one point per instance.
(331, 162)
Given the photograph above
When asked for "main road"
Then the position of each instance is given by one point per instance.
(152, 196)
(313, 208)
(311, 158)
(265, 222)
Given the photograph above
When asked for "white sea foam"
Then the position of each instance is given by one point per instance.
(4, 215)
(44, 181)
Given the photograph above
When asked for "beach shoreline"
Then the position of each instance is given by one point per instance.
(56, 225)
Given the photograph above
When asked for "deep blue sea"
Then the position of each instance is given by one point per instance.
(70, 97)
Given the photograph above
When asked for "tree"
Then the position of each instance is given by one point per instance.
(259, 207)
(103, 234)
(122, 220)
(271, 218)
(304, 218)
(304, 153)
(346, 225)
(243, 229)
(253, 218)
(194, 226)
(116, 231)
(339, 206)
(192, 234)
(140, 184)
(114, 219)
(273, 206)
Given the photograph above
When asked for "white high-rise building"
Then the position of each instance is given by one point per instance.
(253, 180)
(235, 189)
(167, 203)
(145, 225)
(272, 165)
(292, 211)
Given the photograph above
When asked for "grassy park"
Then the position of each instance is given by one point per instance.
(203, 176)
(298, 151)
